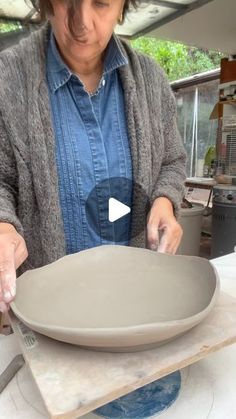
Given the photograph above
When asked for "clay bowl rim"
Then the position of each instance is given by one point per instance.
(121, 330)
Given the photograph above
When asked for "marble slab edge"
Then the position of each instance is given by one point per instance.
(201, 353)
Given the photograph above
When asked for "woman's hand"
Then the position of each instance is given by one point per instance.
(163, 231)
(13, 252)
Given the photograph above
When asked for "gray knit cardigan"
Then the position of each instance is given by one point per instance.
(29, 197)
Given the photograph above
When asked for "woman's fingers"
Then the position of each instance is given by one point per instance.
(13, 252)
(164, 233)
(21, 253)
(152, 236)
(170, 238)
(8, 273)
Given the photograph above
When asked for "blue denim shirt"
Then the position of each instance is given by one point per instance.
(92, 145)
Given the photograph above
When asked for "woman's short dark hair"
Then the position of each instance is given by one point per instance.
(44, 7)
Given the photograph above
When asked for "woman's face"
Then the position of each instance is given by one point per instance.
(94, 24)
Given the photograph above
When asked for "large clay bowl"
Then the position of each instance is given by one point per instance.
(117, 298)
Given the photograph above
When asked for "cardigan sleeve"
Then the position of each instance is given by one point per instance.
(8, 182)
(172, 175)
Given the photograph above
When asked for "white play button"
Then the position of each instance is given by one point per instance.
(117, 210)
(113, 197)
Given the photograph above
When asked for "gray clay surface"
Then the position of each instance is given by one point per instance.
(116, 296)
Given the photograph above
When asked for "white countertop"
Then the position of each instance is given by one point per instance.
(208, 386)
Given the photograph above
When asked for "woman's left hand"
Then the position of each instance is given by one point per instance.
(163, 231)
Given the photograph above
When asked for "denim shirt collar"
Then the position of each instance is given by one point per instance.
(58, 73)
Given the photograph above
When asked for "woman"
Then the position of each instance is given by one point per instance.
(79, 107)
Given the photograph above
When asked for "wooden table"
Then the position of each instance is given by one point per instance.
(201, 183)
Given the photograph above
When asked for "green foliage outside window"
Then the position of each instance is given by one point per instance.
(178, 60)
(9, 27)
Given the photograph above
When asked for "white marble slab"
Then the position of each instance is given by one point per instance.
(74, 381)
(21, 398)
(207, 391)
(208, 386)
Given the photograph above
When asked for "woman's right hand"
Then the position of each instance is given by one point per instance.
(13, 253)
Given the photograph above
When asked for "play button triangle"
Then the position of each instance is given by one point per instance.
(117, 210)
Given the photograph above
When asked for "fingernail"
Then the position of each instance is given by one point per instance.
(7, 296)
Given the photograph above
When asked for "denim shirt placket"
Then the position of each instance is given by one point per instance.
(74, 100)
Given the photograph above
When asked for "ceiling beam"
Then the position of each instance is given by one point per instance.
(169, 4)
(29, 16)
(189, 7)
